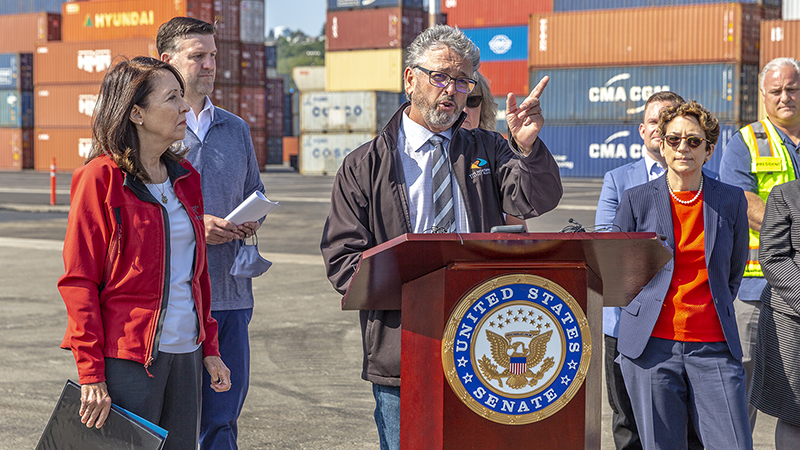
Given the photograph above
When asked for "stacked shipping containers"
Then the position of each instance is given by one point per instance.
(605, 63)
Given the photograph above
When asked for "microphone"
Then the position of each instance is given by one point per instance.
(574, 227)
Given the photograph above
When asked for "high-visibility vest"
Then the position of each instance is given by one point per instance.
(772, 165)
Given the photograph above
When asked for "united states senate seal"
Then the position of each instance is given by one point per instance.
(516, 349)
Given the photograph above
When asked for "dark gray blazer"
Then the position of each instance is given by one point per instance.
(647, 208)
(780, 240)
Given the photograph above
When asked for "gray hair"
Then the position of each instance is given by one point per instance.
(443, 36)
(776, 64)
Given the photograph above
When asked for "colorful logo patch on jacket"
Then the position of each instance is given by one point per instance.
(478, 163)
(478, 169)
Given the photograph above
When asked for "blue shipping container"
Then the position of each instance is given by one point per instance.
(352, 4)
(271, 56)
(618, 94)
(500, 43)
(16, 109)
(31, 6)
(16, 71)
(583, 5)
(589, 151)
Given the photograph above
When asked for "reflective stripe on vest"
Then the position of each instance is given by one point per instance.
(772, 165)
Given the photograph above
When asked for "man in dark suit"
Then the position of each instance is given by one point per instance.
(615, 182)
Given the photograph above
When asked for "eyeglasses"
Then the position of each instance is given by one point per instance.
(474, 101)
(442, 80)
(692, 141)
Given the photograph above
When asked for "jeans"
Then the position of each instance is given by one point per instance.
(387, 415)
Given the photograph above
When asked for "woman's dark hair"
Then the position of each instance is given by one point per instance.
(128, 83)
(707, 121)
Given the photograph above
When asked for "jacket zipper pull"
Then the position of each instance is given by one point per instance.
(146, 365)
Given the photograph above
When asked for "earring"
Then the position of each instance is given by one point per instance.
(140, 122)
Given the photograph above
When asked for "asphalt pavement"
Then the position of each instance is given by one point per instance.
(305, 391)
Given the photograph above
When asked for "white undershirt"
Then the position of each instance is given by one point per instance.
(202, 122)
(180, 330)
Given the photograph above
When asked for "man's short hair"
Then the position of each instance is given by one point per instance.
(776, 64)
(664, 96)
(170, 33)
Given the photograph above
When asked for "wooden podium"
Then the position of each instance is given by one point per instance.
(425, 276)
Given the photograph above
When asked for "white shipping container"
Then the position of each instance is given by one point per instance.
(347, 111)
(322, 154)
(309, 78)
(251, 21)
(791, 10)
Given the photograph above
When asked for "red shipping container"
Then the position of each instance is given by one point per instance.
(64, 106)
(484, 13)
(200, 9)
(259, 137)
(85, 62)
(779, 38)
(274, 122)
(719, 32)
(253, 71)
(16, 148)
(252, 105)
(275, 93)
(70, 147)
(229, 63)
(360, 29)
(226, 97)
(507, 76)
(226, 13)
(21, 33)
(117, 19)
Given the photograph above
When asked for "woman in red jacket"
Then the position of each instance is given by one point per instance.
(136, 285)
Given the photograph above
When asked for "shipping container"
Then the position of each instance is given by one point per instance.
(226, 96)
(251, 21)
(500, 43)
(65, 106)
(259, 137)
(322, 154)
(275, 150)
(31, 6)
(226, 13)
(365, 70)
(21, 33)
(357, 4)
(274, 122)
(506, 77)
(271, 56)
(790, 10)
(721, 32)
(290, 149)
(85, 62)
(200, 9)
(16, 108)
(483, 13)
(252, 105)
(374, 28)
(309, 78)
(338, 112)
(16, 148)
(589, 151)
(779, 38)
(70, 147)
(287, 115)
(584, 5)
(117, 19)
(229, 63)
(16, 71)
(275, 93)
(618, 94)
(253, 71)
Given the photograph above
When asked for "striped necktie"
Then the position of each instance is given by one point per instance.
(443, 210)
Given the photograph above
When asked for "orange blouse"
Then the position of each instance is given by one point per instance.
(689, 314)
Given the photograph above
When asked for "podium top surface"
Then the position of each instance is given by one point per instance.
(623, 262)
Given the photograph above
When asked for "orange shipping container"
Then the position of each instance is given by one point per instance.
(16, 149)
(117, 19)
(779, 38)
(70, 147)
(21, 33)
(290, 148)
(64, 106)
(85, 62)
(720, 32)
(483, 13)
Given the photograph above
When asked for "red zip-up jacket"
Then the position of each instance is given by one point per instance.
(116, 260)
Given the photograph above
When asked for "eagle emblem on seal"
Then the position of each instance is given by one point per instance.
(515, 359)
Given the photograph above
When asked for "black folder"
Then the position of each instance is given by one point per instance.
(123, 430)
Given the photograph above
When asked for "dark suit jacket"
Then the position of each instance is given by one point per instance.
(647, 208)
(780, 240)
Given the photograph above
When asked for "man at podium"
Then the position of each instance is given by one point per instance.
(424, 173)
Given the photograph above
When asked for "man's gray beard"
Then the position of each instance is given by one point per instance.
(439, 119)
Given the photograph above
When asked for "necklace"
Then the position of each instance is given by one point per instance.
(158, 187)
(685, 202)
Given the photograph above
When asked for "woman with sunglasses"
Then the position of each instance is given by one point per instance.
(679, 346)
